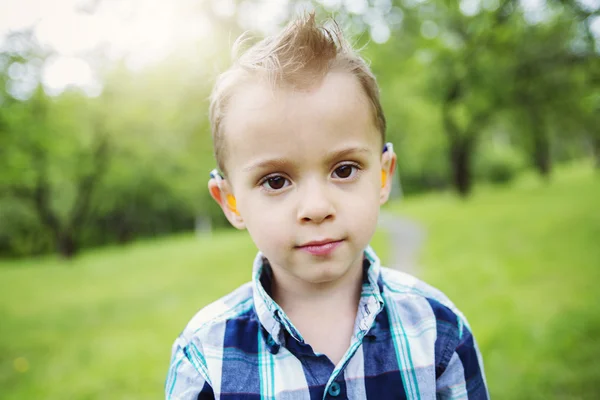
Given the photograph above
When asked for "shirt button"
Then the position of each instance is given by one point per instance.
(334, 389)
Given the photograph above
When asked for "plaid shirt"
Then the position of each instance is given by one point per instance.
(409, 342)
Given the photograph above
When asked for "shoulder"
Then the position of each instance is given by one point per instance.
(212, 318)
(412, 294)
(426, 315)
(432, 326)
(203, 335)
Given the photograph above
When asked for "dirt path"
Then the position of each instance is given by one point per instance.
(406, 237)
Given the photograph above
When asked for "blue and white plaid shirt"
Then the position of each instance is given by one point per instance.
(409, 342)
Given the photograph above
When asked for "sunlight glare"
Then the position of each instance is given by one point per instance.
(142, 32)
(61, 72)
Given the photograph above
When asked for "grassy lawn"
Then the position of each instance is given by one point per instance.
(523, 263)
(520, 261)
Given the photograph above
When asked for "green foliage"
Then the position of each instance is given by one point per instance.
(130, 163)
(498, 163)
(21, 233)
(482, 68)
(414, 123)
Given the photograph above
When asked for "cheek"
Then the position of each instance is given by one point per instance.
(363, 209)
(265, 223)
(365, 212)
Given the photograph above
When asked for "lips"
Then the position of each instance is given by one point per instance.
(320, 247)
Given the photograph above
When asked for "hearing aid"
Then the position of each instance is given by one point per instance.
(230, 199)
(387, 147)
(231, 203)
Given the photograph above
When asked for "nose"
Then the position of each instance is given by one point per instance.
(315, 204)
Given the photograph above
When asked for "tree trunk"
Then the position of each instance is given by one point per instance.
(596, 151)
(124, 232)
(66, 245)
(541, 153)
(542, 159)
(460, 159)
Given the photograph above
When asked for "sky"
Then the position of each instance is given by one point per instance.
(146, 26)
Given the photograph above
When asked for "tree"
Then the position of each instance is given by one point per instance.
(38, 134)
(36, 177)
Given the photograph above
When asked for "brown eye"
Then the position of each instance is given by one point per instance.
(275, 183)
(344, 171)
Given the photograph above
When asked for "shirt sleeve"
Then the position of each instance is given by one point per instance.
(462, 376)
(187, 377)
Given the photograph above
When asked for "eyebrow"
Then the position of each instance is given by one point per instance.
(346, 152)
(279, 163)
(274, 163)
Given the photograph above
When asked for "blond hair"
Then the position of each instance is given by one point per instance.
(301, 55)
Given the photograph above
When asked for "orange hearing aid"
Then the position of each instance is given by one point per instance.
(232, 204)
(383, 178)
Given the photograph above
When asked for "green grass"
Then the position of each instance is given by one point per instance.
(521, 261)
(523, 264)
(101, 326)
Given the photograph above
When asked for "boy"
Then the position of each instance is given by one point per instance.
(298, 132)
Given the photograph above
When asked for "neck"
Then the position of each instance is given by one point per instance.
(297, 296)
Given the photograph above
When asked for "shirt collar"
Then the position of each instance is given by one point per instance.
(275, 321)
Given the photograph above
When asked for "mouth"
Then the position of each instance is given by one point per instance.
(320, 247)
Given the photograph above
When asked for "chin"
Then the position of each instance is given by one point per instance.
(328, 273)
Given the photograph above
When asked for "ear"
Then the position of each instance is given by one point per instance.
(222, 194)
(388, 167)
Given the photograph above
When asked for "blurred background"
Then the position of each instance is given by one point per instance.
(109, 241)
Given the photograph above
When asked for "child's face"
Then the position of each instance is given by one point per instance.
(306, 167)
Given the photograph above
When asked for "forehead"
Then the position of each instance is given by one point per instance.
(262, 121)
